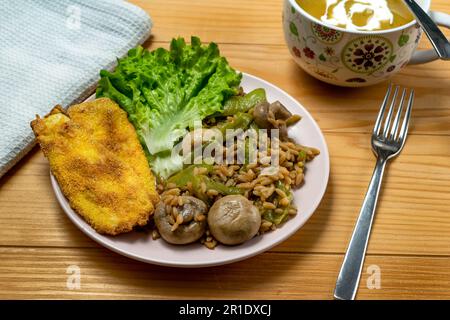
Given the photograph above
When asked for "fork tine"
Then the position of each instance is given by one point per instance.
(404, 130)
(387, 123)
(376, 128)
(397, 117)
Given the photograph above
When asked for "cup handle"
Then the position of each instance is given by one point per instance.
(424, 56)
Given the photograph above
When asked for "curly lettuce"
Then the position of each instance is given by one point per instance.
(165, 91)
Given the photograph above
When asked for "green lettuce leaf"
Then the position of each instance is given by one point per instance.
(165, 91)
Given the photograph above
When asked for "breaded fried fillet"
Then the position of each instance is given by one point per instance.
(95, 155)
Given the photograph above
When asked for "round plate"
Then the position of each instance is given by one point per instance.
(140, 245)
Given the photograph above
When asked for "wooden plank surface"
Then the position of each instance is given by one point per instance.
(27, 273)
(231, 21)
(412, 216)
(410, 242)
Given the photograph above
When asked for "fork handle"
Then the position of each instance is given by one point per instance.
(350, 274)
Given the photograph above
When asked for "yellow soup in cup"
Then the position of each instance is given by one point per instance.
(367, 15)
(355, 43)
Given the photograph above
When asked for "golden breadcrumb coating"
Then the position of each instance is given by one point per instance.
(95, 155)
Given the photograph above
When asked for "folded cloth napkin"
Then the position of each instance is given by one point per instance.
(51, 52)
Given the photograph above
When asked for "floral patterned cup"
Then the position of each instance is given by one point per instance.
(353, 58)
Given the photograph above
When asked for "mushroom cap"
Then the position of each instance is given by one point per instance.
(188, 232)
(280, 111)
(233, 219)
(266, 114)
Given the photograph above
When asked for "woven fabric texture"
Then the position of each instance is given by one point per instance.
(51, 52)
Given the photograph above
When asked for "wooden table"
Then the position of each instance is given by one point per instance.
(410, 241)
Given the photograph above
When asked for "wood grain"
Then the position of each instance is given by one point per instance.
(412, 216)
(26, 273)
(231, 21)
(410, 241)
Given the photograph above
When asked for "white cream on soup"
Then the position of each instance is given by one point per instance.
(337, 13)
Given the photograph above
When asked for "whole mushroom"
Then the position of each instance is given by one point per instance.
(192, 226)
(233, 219)
(267, 115)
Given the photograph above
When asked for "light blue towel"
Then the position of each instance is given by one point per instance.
(51, 52)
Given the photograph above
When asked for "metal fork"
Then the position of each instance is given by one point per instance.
(387, 142)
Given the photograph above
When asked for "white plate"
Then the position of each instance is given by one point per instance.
(140, 246)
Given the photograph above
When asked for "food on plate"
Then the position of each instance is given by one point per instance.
(274, 116)
(243, 102)
(186, 105)
(195, 178)
(233, 220)
(270, 191)
(267, 189)
(165, 92)
(97, 159)
(181, 220)
(170, 94)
